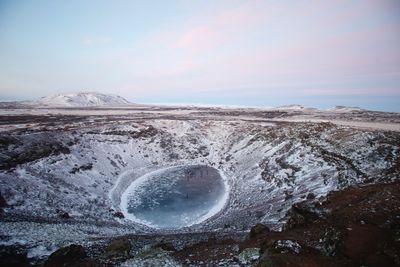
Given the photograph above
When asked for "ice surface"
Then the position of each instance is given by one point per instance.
(175, 197)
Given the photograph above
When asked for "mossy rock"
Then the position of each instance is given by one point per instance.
(119, 248)
(268, 260)
(152, 257)
(248, 256)
(267, 245)
(151, 252)
(258, 229)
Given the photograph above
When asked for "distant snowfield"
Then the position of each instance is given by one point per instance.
(91, 112)
(370, 125)
(202, 105)
(356, 124)
(308, 115)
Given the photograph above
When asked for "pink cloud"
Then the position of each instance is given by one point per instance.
(353, 53)
(219, 29)
(201, 36)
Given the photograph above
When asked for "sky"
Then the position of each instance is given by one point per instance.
(252, 53)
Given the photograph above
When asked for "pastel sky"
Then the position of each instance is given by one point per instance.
(263, 53)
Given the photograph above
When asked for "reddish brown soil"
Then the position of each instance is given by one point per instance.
(360, 225)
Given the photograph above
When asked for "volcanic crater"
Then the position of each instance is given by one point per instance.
(149, 173)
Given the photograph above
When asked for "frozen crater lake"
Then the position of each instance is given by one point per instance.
(175, 197)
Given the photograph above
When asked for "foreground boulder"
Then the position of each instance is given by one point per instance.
(302, 213)
(11, 256)
(70, 256)
(166, 246)
(258, 229)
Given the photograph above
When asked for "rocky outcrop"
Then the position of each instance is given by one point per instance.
(258, 229)
(303, 212)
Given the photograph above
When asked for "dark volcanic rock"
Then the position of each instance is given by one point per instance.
(258, 229)
(302, 212)
(10, 256)
(70, 256)
(65, 215)
(167, 246)
(118, 214)
(310, 196)
(3, 202)
(84, 167)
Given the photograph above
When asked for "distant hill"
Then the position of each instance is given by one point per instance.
(292, 107)
(345, 109)
(80, 99)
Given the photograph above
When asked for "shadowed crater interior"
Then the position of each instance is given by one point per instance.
(175, 197)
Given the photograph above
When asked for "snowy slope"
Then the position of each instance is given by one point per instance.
(295, 108)
(84, 170)
(81, 99)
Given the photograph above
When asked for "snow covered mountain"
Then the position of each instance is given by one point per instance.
(81, 99)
